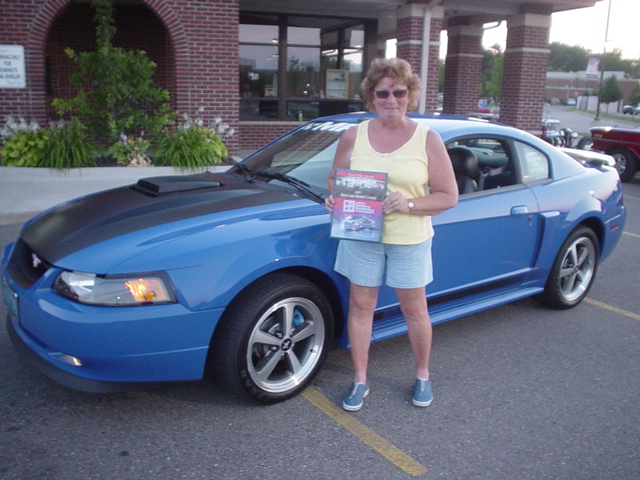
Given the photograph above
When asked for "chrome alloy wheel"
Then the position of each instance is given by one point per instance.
(577, 269)
(285, 344)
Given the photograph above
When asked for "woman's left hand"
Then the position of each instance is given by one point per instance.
(395, 202)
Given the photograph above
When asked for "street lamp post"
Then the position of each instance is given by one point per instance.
(604, 50)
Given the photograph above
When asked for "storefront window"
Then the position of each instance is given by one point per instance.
(317, 51)
(303, 36)
(260, 33)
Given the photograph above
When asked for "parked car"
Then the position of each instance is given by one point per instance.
(359, 222)
(631, 109)
(623, 144)
(231, 274)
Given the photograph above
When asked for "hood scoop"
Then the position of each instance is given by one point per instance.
(156, 186)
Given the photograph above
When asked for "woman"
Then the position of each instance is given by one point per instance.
(421, 183)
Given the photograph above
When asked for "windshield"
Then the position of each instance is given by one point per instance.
(305, 154)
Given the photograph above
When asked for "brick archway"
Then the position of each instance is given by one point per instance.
(179, 42)
(33, 99)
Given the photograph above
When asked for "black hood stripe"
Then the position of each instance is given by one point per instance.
(112, 213)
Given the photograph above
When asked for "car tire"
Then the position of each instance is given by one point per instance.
(585, 143)
(573, 271)
(626, 163)
(273, 339)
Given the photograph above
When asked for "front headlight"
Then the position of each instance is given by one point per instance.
(115, 290)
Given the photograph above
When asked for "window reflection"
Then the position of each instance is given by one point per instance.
(312, 47)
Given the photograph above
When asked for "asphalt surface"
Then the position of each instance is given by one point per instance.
(582, 121)
(521, 392)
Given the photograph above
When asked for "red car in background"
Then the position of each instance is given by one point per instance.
(623, 144)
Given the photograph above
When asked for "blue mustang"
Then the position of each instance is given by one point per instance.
(231, 274)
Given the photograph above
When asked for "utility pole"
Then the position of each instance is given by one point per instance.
(604, 50)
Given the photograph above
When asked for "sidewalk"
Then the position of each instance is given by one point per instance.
(27, 191)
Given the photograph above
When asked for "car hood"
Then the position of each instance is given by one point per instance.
(152, 202)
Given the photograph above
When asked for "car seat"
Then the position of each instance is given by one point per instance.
(466, 168)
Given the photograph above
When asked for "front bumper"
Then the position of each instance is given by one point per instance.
(109, 349)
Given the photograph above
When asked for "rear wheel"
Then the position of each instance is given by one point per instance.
(573, 271)
(585, 143)
(273, 339)
(626, 163)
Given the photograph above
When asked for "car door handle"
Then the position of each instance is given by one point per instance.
(519, 210)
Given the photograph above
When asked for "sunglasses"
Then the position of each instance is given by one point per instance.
(396, 93)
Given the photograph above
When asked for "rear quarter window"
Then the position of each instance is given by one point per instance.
(535, 164)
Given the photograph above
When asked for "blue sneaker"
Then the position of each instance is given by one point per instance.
(355, 398)
(422, 396)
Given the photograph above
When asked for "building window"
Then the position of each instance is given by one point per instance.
(299, 68)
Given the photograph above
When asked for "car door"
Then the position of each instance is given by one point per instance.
(487, 244)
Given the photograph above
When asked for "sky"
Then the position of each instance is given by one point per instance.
(587, 27)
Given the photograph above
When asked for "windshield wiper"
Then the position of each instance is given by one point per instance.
(294, 182)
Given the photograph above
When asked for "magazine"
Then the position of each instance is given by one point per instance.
(357, 214)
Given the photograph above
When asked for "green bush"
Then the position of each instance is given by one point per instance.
(25, 148)
(69, 146)
(59, 146)
(131, 151)
(192, 144)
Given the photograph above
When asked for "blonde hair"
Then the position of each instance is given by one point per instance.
(396, 69)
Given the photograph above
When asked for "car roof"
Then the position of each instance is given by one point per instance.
(447, 125)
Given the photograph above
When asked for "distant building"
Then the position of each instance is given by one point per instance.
(572, 85)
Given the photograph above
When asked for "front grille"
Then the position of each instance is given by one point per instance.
(25, 266)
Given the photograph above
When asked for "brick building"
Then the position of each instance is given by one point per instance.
(263, 65)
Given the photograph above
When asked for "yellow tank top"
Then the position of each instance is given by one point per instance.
(408, 173)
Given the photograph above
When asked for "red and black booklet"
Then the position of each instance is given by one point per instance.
(357, 214)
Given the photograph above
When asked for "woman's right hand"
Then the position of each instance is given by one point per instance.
(329, 202)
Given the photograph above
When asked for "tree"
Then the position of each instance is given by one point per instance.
(116, 92)
(492, 70)
(564, 58)
(634, 96)
(611, 91)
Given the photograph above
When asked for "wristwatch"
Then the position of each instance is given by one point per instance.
(410, 204)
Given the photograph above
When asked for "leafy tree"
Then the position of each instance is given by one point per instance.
(613, 62)
(565, 58)
(611, 91)
(492, 70)
(116, 92)
(634, 96)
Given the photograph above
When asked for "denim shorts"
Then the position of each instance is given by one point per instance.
(365, 263)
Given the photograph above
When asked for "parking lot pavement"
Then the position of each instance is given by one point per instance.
(521, 392)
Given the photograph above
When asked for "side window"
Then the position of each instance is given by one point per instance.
(481, 163)
(535, 164)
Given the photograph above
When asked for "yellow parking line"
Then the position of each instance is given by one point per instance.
(631, 196)
(364, 434)
(632, 234)
(611, 308)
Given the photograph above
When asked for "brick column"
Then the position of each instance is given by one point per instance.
(525, 67)
(205, 39)
(410, 31)
(463, 69)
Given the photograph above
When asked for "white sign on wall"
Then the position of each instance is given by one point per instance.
(12, 73)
